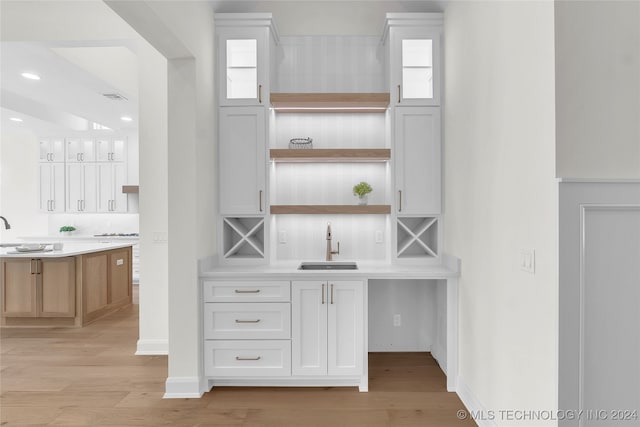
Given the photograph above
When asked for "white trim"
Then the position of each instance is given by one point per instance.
(185, 388)
(152, 347)
(303, 381)
(474, 406)
(599, 181)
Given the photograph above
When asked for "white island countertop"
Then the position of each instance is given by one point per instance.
(68, 249)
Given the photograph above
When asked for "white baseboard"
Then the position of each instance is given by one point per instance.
(152, 347)
(475, 408)
(185, 388)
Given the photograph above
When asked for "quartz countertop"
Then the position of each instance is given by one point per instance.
(68, 249)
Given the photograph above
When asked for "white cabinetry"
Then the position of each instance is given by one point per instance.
(81, 187)
(327, 328)
(242, 160)
(417, 167)
(245, 42)
(110, 150)
(80, 150)
(110, 179)
(247, 329)
(52, 150)
(413, 43)
(51, 187)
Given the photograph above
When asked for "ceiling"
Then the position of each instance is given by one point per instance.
(69, 97)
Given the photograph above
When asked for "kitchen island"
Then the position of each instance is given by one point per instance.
(69, 287)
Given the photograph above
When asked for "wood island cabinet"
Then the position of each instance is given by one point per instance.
(64, 291)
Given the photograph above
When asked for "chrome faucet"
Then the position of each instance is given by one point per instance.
(330, 251)
(6, 223)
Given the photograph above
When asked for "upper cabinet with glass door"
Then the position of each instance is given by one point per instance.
(412, 43)
(246, 43)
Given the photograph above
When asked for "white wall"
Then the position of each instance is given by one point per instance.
(500, 196)
(598, 89)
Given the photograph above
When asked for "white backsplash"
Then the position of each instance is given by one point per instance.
(90, 224)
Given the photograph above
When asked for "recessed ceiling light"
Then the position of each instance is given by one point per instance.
(126, 119)
(15, 119)
(31, 76)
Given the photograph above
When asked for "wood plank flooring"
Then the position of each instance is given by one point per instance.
(90, 377)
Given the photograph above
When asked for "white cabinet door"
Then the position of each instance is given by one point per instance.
(327, 327)
(80, 150)
(242, 142)
(52, 150)
(415, 66)
(308, 328)
(243, 55)
(81, 187)
(110, 150)
(345, 328)
(111, 177)
(417, 147)
(51, 187)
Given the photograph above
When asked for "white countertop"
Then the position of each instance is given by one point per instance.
(287, 270)
(69, 249)
(75, 237)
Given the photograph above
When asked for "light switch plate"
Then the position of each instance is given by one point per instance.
(379, 236)
(528, 260)
(282, 236)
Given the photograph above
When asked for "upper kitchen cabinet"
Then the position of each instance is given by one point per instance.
(51, 187)
(246, 45)
(417, 160)
(242, 160)
(412, 42)
(110, 150)
(110, 179)
(52, 150)
(80, 150)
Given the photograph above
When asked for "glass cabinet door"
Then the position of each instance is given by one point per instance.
(416, 74)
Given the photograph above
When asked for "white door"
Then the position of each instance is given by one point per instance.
(345, 328)
(118, 150)
(415, 66)
(418, 160)
(309, 328)
(52, 187)
(52, 150)
(80, 150)
(81, 187)
(120, 201)
(243, 58)
(242, 160)
(104, 187)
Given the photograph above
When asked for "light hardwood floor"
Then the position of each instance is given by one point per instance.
(90, 377)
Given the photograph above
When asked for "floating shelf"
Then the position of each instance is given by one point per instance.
(131, 189)
(330, 102)
(331, 209)
(330, 155)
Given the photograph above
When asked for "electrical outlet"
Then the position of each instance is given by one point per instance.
(397, 320)
(528, 260)
(282, 236)
(379, 236)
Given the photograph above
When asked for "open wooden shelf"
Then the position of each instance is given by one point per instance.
(330, 102)
(131, 189)
(330, 155)
(331, 209)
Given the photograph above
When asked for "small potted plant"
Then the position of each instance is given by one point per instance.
(66, 230)
(362, 190)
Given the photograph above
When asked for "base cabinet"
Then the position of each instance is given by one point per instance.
(38, 287)
(327, 328)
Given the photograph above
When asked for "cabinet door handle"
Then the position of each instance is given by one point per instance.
(78, 157)
(78, 208)
(399, 96)
(82, 157)
(53, 205)
(31, 269)
(260, 200)
(38, 266)
(84, 204)
(332, 293)
(241, 291)
(260, 94)
(248, 321)
(400, 207)
(323, 293)
(248, 358)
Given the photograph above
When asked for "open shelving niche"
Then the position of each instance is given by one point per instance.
(243, 238)
(417, 238)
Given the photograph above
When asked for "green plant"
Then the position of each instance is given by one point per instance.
(67, 228)
(362, 189)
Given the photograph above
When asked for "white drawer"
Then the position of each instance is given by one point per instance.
(238, 321)
(247, 358)
(246, 291)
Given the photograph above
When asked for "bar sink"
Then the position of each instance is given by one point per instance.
(328, 265)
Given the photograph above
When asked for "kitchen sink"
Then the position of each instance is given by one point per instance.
(328, 265)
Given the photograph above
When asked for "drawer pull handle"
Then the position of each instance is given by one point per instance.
(254, 291)
(248, 358)
(248, 321)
